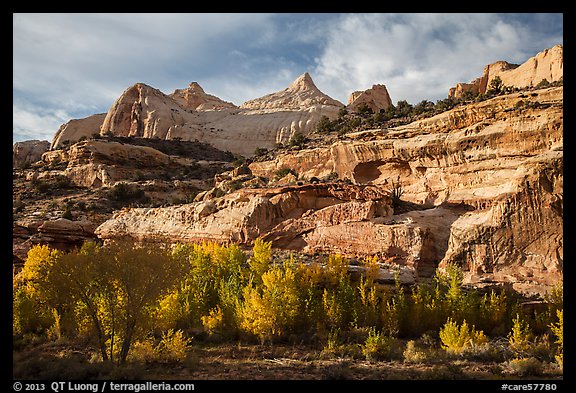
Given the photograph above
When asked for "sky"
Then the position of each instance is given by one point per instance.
(69, 66)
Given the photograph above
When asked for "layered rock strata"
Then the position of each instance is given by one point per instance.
(480, 186)
(548, 64)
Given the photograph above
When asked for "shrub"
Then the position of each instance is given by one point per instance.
(173, 346)
(495, 87)
(494, 313)
(324, 125)
(525, 366)
(378, 346)
(214, 320)
(122, 192)
(457, 340)
(558, 330)
(298, 140)
(414, 353)
(143, 351)
(280, 173)
(29, 315)
(41, 186)
(396, 191)
(543, 83)
(520, 338)
(260, 151)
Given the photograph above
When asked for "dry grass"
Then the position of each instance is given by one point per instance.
(260, 362)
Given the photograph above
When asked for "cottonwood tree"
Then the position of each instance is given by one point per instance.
(115, 286)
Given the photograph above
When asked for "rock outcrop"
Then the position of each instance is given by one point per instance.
(28, 152)
(195, 98)
(376, 98)
(75, 129)
(479, 185)
(548, 64)
(191, 114)
(302, 94)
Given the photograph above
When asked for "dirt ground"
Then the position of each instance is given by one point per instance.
(258, 362)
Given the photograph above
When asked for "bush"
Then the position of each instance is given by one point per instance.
(297, 140)
(525, 366)
(520, 338)
(457, 340)
(543, 83)
(558, 330)
(173, 346)
(378, 346)
(415, 354)
(143, 352)
(324, 125)
(214, 320)
(280, 173)
(123, 192)
(260, 151)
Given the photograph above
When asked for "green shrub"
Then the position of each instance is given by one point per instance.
(298, 140)
(280, 173)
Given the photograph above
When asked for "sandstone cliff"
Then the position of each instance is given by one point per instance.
(548, 64)
(191, 114)
(479, 185)
(376, 98)
(195, 98)
(302, 94)
(75, 129)
(28, 152)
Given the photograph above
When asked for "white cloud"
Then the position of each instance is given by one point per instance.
(417, 56)
(29, 122)
(74, 65)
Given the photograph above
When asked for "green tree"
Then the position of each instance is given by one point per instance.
(297, 140)
(496, 86)
(324, 125)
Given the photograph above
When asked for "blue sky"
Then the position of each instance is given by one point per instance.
(68, 66)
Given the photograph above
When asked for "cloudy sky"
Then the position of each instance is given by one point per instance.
(68, 66)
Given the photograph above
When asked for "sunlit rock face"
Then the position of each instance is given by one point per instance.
(480, 186)
(548, 65)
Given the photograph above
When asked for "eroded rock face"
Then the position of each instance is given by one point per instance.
(59, 233)
(548, 64)
(191, 114)
(28, 152)
(376, 98)
(75, 129)
(480, 186)
(302, 94)
(195, 98)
